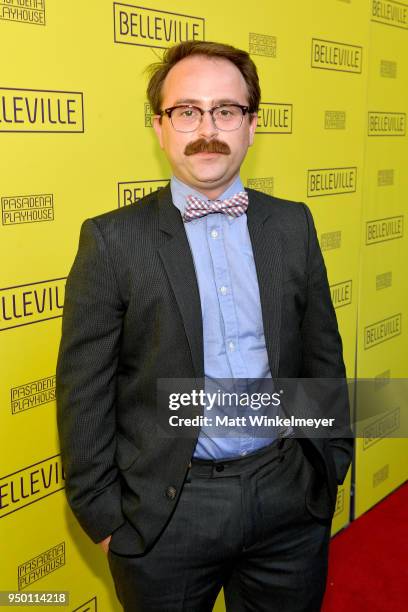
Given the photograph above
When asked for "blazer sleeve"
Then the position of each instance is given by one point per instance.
(323, 350)
(85, 386)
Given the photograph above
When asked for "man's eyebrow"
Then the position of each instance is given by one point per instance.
(200, 102)
(186, 101)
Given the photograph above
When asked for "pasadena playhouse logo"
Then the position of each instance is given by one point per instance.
(25, 11)
(385, 177)
(331, 55)
(381, 428)
(390, 12)
(330, 240)
(27, 208)
(41, 110)
(339, 502)
(331, 181)
(274, 118)
(148, 115)
(130, 192)
(334, 120)
(381, 230)
(40, 566)
(388, 69)
(383, 280)
(264, 184)
(386, 124)
(382, 380)
(381, 331)
(262, 44)
(145, 27)
(32, 394)
(31, 303)
(341, 293)
(30, 484)
(381, 475)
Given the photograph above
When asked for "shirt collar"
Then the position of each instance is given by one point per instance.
(180, 191)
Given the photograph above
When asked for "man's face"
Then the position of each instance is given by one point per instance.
(205, 82)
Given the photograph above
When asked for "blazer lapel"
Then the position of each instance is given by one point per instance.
(178, 261)
(267, 250)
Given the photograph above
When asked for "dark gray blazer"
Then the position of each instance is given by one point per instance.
(132, 315)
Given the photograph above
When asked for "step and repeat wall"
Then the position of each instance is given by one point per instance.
(382, 348)
(76, 140)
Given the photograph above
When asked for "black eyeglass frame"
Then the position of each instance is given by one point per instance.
(168, 112)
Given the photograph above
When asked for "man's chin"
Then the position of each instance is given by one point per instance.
(208, 175)
(210, 181)
(210, 186)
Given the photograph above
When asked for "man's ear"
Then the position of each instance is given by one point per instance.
(157, 126)
(253, 120)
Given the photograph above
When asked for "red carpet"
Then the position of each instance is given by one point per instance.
(368, 564)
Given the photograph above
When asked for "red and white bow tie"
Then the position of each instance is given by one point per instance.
(234, 207)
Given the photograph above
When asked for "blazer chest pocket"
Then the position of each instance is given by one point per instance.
(126, 452)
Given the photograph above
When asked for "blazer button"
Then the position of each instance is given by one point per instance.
(171, 492)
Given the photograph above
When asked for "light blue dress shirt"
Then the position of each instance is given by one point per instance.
(233, 335)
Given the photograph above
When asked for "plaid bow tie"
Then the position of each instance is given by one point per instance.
(234, 207)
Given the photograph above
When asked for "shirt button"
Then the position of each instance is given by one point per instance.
(214, 234)
(231, 346)
(224, 290)
(171, 492)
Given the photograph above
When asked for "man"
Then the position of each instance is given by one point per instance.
(199, 280)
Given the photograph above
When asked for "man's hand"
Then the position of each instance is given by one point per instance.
(105, 544)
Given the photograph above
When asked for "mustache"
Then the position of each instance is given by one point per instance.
(207, 146)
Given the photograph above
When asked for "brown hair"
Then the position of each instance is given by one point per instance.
(241, 59)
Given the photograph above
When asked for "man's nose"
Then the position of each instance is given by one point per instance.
(207, 128)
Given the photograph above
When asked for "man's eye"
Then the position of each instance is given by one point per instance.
(226, 113)
(188, 113)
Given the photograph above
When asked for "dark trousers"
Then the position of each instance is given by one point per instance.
(241, 524)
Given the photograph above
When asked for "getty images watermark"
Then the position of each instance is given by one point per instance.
(372, 409)
(220, 400)
(253, 407)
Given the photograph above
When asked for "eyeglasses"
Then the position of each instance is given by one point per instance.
(187, 118)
